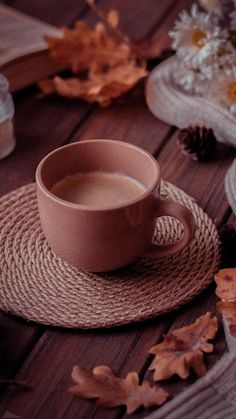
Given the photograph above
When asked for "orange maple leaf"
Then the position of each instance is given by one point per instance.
(112, 391)
(183, 349)
(226, 290)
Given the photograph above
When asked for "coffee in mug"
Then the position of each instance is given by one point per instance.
(98, 188)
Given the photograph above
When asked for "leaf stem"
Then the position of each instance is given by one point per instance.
(120, 35)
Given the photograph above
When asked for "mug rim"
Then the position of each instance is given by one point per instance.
(71, 205)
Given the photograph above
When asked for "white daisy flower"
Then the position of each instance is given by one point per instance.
(196, 37)
(190, 80)
(222, 89)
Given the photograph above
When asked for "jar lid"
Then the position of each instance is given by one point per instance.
(6, 102)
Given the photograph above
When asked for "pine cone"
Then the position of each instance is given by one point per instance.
(227, 234)
(197, 142)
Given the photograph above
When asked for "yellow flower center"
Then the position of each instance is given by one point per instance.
(232, 91)
(197, 37)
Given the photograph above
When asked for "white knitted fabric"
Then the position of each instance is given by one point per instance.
(230, 186)
(231, 340)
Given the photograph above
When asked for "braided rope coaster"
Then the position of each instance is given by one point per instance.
(37, 285)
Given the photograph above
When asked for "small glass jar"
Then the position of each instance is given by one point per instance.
(7, 138)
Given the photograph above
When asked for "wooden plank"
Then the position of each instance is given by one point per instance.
(59, 14)
(161, 36)
(137, 19)
(17, 338)
(232, 221)
(127, 119)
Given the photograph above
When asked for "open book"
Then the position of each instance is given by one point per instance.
(24, 57)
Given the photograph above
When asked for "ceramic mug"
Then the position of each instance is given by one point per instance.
(106, 238)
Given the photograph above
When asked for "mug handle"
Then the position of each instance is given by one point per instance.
(181, 213)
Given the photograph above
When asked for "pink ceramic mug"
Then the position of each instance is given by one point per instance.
(102, 239)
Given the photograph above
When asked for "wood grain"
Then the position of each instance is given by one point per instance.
(57, 13)
(138, 19)
(17, 339)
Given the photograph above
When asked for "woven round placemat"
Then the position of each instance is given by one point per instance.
(37, 285)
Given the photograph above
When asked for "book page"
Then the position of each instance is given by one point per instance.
(21, 34)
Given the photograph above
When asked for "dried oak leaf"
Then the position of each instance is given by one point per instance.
(84, 48)
(226, 290)
(183, 349)
(101, 88)
(112, 391)
(110, 65)
(226, 284)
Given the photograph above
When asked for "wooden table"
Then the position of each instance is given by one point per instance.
(44, 356)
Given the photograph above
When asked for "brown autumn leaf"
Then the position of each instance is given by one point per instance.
(183, 349)
(85, 49)
(226, 290)
(109, 63)
(226, 284)
(111, 391)
(101, 88)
